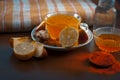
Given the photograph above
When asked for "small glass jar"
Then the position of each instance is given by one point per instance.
(105, 14)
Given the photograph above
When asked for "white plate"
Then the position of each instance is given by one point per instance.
(83, 26)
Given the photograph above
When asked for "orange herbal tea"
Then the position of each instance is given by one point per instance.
(108, 42)
(56, 22)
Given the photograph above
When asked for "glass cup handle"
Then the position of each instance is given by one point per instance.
(84, 26)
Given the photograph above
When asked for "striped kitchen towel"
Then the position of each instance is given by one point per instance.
(24, 15)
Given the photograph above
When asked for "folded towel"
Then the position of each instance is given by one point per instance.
(24, 15)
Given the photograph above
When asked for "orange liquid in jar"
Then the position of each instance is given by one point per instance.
(57, 22)
(108, 42)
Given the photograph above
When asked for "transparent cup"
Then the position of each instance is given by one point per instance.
(57, 21)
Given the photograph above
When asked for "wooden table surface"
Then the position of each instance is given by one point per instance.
(57, 66)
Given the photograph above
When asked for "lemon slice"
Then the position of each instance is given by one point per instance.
(24, 50)
(68, 37)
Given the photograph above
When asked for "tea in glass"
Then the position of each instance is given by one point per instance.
(56, 22)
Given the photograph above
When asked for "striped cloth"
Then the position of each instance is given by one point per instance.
(24, 15)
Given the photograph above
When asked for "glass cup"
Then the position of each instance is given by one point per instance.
(107, 38)
(57, 21)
